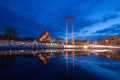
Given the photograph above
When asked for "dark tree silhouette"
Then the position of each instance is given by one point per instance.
(10, 34)
(0, 36)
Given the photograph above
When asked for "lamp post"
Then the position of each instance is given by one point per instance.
(107, 41)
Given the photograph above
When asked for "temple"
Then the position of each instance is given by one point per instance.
(45, 36)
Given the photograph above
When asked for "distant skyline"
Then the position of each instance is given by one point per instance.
(93, 19)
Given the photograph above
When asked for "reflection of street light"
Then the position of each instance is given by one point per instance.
(108, 56)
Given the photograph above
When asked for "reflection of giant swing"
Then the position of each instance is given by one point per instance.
(66, 56)
(68, 20)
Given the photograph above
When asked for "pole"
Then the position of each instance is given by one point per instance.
(66, 32)
(72, 32)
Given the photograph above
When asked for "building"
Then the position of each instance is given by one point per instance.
(112, 41)
(81, 42)
(45, 37)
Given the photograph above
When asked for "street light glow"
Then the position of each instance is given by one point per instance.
(85, 47)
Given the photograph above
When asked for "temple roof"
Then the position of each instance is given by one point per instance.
(45, 36)
(44, 58)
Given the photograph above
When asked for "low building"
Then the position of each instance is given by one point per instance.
(113, 41)
(81, 42)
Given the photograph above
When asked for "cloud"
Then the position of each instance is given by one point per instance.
(114, 29)
(99, 26)
(33, 17)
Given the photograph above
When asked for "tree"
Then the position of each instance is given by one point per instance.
(0, 36)
(58, 41)
(10, 34)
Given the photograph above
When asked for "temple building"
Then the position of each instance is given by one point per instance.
(113, 41)
(45, 37)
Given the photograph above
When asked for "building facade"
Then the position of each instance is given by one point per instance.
(113, 41)
(81, 42)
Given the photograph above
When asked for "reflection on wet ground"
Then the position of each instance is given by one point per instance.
(67, 64)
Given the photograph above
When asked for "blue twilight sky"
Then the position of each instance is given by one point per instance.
(93, 19)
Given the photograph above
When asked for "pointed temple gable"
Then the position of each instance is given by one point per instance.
(45, 37)
(44, 58)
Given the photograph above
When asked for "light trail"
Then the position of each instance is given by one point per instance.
(104, 46)
(29, 44)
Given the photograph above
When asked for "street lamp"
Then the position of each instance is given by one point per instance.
(85, 47)
(107, 41)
